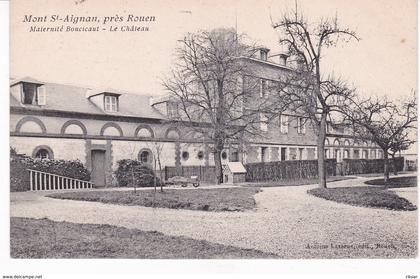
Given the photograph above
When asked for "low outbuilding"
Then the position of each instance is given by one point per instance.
(234, 172)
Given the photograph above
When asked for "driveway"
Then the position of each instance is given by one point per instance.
(287, 221)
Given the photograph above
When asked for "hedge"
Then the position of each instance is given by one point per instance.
(360, 166)
(286, 170)
(134, 173)
(19, 165)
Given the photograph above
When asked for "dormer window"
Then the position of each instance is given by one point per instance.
(111, 103)
(264, 53)
(173, 109)
(32, 94)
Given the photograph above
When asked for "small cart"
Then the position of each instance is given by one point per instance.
(184, 181)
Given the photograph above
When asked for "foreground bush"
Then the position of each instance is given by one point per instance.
(395, 182)
(364, 196)
(19, 165)
(134, 173)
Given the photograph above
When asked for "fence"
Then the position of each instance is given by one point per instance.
(286, 170)
(41, 181)
(360, 166)
(204, 173)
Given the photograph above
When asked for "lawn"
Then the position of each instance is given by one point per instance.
(221, 199)
(43, 238)
(395, 182)
(304, 181)
(364, 196)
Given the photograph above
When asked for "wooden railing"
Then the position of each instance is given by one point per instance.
(42, 181)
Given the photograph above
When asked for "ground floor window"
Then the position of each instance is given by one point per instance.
(43, 152)
(346, 154)
(224, 155)
(145, 156)
(185, 155)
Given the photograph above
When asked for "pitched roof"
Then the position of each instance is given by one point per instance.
(69, 98)
(236, 167)
(25, 79)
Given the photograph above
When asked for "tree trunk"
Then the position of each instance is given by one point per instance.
(160, 175)
(386, 167)
(322, 170)
(394, 165)
(218, 166)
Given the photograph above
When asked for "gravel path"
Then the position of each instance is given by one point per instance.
(288, 222)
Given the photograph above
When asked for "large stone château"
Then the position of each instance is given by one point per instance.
(101, 126)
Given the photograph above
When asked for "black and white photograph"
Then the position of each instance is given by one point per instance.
(265, 130)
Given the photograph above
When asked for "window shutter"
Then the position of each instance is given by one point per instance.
(303, 126)
(284, 124)
(42, 96)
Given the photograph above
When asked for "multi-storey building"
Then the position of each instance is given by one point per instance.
(101, 126)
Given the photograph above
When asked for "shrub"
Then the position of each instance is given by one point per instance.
(364, 196)
(19, 165)
(130, 171)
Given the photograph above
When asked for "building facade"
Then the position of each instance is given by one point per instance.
(99, 127)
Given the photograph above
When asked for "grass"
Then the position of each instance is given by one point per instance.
(221, 199)
(43, 238)
(305, 181)
(379, 174)
(395, 182)
(365, 197)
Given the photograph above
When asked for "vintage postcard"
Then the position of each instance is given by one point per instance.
(213, 129)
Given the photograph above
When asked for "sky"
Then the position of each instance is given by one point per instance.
(383, 62)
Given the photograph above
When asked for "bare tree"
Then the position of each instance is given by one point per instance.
(384, 122)
(308, 90)
(157, 148)
(207, 85)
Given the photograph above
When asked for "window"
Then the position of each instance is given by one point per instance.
(33, 94)
(356, 154)
(145, 156)
(42, 154)
(234, 157)
(300, 153)
(185, 155)
(346, 153)
(301, 126)
(224, 155)
(283, 154)
(263, 88)
(263, 154)
(264, 122)
(111, 103)
(284, 124)
(263, 54)
(173, 110)
(200, 155)
(327, 153)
